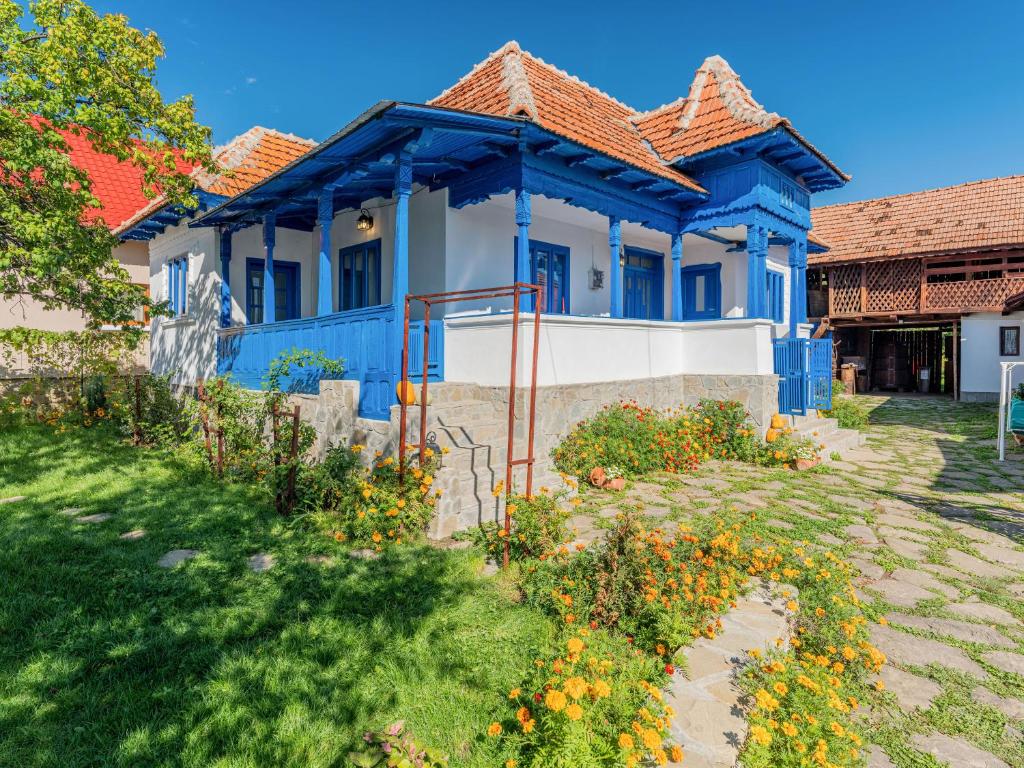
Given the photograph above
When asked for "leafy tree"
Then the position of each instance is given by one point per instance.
(65, 67)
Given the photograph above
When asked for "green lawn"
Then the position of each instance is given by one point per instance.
(108, 660)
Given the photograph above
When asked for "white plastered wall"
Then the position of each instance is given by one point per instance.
(979, 354)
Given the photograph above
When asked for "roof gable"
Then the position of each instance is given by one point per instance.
(978, 215)
(514, 82)
(719, 109)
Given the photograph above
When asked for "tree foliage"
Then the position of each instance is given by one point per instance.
(64, 67)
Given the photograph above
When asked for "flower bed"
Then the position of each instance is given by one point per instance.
(636, 440)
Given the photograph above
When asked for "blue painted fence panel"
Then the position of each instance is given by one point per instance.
(804, 367)
(790, 359)
(364, 339)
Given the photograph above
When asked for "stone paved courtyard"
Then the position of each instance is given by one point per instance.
(934, 524)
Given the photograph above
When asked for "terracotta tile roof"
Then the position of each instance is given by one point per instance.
(979, 215)
(118, 185)
(245, 161)
(513, 82)
(718, 110)
(252, 157)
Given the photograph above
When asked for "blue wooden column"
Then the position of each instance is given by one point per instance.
(400, 266)
(523, 271)
(757, 269)
(615, 272)
(225, 278)
(325, 283)
(677, 278)
(797, 282)
(269, 294)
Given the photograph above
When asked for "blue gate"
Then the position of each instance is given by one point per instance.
(790, 358)
(820, 378)
(804, 368)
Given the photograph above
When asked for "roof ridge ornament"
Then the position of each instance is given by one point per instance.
(516, 83)
(735, 95)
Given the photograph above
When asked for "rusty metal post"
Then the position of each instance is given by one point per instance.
(511, 420)
(423, 386)
(401, 391)
(137, 431)
(204, 412)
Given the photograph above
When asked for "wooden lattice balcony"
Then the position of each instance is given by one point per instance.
(902, 287)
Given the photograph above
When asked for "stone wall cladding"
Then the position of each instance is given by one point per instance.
(471, 420)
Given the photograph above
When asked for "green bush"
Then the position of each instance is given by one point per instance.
(845, 410)
(538, 526)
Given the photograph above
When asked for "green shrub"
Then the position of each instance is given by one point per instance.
(538, 526)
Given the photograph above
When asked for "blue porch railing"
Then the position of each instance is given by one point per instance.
(804, 368)
(365, 339)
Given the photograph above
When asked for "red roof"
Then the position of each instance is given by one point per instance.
(718, 110)
(117, 184)
(979, 215)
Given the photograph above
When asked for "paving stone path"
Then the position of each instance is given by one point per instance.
(934, 524)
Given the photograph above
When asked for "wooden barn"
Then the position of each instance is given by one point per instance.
(914, 287)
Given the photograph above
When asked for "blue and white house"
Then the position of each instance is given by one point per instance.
(671, 244)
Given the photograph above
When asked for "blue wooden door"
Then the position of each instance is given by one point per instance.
(702, 291)
(643, 285)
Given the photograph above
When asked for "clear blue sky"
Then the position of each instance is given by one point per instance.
(902, 95)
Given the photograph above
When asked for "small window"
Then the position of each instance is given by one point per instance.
(141, 312)
(1009, 341)
(549, 268)
(776, 296)
(177, 285)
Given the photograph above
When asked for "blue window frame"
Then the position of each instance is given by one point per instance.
(286, 290)
(776, 296)
(549, 267)
(643, 284)
(702, 291)
(177, 285)
(359, 276)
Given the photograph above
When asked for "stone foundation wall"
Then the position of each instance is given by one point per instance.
(334, 411)
(560, 408)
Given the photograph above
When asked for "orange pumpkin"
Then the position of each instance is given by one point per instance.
(778, 422)
(406, 392)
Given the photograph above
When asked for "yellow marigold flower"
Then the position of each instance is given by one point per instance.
(376, 537)
(651, 738)
(575, 645)
(510, 763)
(677, 753)
(576, 687)
(555, 700)
(789, 729)
(601, 689)
(625, 741)
(761, 735)
(574, 711)
(837, 729)
(514, 693)
(494, 729)
(529, 725)
(879, 685)
(848, 653)
(366, 493)
(780, 688)
(791, 605)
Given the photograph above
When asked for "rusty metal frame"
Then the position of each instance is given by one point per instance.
(517, 291)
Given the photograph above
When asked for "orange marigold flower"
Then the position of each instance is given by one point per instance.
(574, 711)
(625, 741)
(555, 700)
(494, 729)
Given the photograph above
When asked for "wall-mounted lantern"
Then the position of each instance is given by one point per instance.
(365, 221)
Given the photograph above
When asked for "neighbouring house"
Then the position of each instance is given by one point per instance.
(180, 265)
(671, 246)
(119, 188)
(924, 282)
